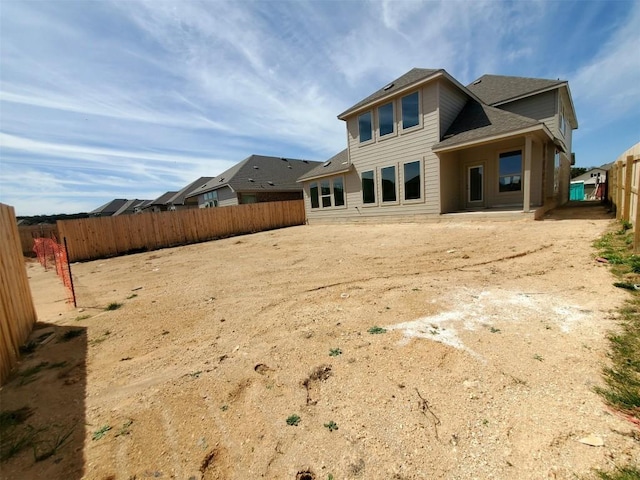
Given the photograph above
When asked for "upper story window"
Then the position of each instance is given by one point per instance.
(410, 110)
(388, 175)
(211, 199)
(365, 127)
(563, 121)
(368, 187)
(412, 181)
(510, 171)
(327, 193)
(386, 122)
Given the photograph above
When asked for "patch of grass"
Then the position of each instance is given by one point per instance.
(331, 426)
(71, 334)
(102, 338)
(494, 330)
(293, 420)
(377, 330)
(48, 447)
(82, 317)
(224, 408)
(334, 352)
(13, 440)
(101, 432)
(621, 473)
(125, 430)
(113, 306)
(538, 357)
(133, 295)
(622, 376)
(28, 348)
(28, 375)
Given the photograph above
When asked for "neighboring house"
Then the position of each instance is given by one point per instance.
(119, 206)
(425, 145)
(255, 179)
(171, 201)
(593, 184)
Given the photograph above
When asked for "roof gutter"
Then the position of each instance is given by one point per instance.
(345, 169)
(473, 143)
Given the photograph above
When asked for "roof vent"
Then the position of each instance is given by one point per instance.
(477, 81)
(270, 183)
(221, 180)
(387, 87)
(255, 167)
(289, 166)
(284, 159)
(326, 164)
(251, 179)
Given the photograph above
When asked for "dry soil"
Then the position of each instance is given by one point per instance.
(494, 338)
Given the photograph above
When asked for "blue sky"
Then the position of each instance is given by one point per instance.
(130, 99)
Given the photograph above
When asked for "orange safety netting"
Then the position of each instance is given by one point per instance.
(51, 254)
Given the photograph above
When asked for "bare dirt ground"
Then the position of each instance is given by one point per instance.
(495, 338)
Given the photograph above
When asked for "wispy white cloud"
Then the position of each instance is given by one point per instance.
(139, 97)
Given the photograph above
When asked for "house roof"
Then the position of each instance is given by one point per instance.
(497, 89)
(110, 207)
(477, 121)
(414, 75)
(163, 199)
(129, 206)
(178, 198)
(339, 163)
(259, 172)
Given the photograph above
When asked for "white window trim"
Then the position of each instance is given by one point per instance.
(422, 183)
(397, 176)
(373, 132)
(419, 126)
(331, 194)
(497, 184)
(375, 189)
(395, 122)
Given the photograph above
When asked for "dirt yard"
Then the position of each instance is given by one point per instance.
(251, 357)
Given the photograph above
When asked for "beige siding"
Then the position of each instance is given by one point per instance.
(227, 197)
(393, 150)
(543, 107)
(452, 100)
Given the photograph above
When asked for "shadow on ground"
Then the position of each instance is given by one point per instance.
(42, 421)
(595, 210)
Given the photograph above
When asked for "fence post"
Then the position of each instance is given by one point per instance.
(627, 188)
(66, 254)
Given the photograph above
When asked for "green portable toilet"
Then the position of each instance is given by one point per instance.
(577, 191)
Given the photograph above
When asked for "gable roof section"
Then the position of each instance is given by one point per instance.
(339, 163)
(478, 122)
(163, 199)
(130, 206)
(413, 76)
(178, 198)
(497, 89)
(109, 208)
(259, 172)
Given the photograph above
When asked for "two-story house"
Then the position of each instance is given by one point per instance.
(425, 145)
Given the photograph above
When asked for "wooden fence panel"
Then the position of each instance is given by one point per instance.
(17, 312)
(94, 238)
(29, 232)
(624, 190)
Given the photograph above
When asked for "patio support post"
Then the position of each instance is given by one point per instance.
(527, 174)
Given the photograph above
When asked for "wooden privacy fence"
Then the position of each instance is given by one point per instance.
(93, 238)
(624, 190)
(29, 232)
(17, 314)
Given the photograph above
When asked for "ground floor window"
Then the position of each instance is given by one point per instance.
(510, 171)
(556, 172)
(368, 187)
(388, 175)
(327, 193)
(412, 181)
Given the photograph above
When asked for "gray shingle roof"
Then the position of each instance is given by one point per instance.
(164, 198)
(110, 207)
(339, 163)
(178, 198)
(494, 89)
(412, 76)
(259, 172)
(477, 121)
